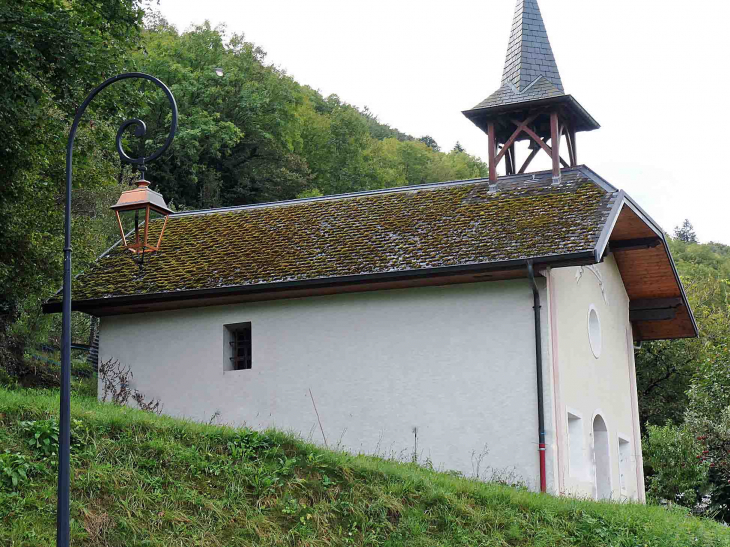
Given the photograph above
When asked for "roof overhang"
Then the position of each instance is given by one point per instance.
(659, 305)
(582, 120)
(659, 308)
(471, 273)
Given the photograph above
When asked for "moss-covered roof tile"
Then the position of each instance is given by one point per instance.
(400, 230)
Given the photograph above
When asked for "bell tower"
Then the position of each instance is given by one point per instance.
(531, 104)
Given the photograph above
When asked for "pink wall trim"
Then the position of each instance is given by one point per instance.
(557, 401)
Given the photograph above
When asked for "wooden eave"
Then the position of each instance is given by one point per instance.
(658, 303)
(573, 110)
(432, 277)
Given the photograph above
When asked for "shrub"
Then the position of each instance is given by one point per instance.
(676, 472)
(14, 469)
(43, 436)
(116, 379)
(713, 438)
(7, 381)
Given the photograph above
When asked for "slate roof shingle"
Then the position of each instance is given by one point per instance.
(530, 70)
(529, 53)
(541, 88)
(411, 228)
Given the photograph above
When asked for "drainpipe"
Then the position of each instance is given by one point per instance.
(538, 357)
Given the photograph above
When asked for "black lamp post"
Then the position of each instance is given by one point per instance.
(64, 439)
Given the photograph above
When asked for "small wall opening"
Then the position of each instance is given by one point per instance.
(624, 464)
(601, 459)
(237, 350)
(577, 464)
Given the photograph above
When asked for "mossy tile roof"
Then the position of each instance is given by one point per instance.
(416, 228)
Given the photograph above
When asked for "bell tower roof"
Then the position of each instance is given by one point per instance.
(531, 103)
(530, 73)
(529, 54)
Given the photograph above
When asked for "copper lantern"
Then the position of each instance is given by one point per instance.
(135, 210)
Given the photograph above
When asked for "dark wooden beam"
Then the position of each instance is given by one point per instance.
(555, 135)
(655, 303)
(492, 144)
(535, 137)
(664, 314)
(569, 140)
(520, 127)
(634, 244)
(573, 145)
(531, 157)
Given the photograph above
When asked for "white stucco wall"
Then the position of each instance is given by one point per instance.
(588, 385)
(456, 362)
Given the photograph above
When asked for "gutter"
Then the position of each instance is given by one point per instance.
(578, 258)
(538, 360)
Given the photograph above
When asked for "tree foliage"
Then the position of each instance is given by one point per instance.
(677, 473)
(251, 135)
(52, 52)
(684, 386)
(685, 232)
(255, 134)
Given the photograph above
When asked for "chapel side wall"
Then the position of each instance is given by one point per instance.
(589, 385)
(455, 362)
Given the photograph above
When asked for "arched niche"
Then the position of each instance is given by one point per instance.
(601, 458)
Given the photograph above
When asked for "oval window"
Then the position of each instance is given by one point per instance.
(594, 331)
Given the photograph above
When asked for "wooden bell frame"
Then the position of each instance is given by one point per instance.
(547, 122)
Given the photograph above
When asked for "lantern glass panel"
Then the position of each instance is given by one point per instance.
(157, 220)
(133, 222)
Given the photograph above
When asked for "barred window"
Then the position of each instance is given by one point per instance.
(240, 346)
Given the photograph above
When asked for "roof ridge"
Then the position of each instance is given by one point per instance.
(335, 197)
(540, 77)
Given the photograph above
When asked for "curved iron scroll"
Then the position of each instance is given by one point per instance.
(141, 128)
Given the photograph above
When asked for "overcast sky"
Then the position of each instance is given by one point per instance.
(651, 72)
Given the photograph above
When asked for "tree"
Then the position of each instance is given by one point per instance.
(458, 147)
(430, 142)
(52, 54)
(676, 473)
(684, 388)
(685, 232)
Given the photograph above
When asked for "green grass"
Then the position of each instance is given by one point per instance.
(143, 480)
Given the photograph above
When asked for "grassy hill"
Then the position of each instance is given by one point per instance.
(143, 480)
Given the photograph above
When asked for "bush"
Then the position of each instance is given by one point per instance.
(7, 381)
(42, 435)
(713, 438)
(14, 469)
(676, 469)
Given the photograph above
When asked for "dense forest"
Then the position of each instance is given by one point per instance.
(254, 134)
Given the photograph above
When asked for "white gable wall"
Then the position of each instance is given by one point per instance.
(457, 363)
(591, 386)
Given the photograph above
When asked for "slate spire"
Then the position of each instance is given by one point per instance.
(531, 103)
(529, 54)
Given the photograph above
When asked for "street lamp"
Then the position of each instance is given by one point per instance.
(64, 438)
(144, 202)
